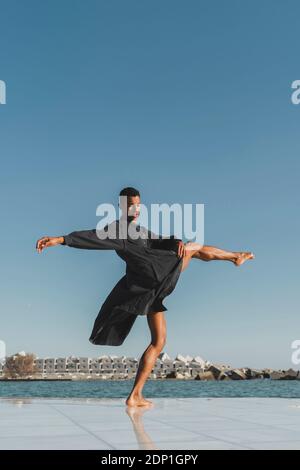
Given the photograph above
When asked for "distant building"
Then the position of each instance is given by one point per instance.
(115, 366)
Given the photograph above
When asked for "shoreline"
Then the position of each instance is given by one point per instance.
(160, 379)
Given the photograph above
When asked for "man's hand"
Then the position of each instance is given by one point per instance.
(45, 242)
(181, 249)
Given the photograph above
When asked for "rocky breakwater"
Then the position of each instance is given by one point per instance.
(214, 372)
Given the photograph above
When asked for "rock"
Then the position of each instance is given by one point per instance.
(216, 371)
(236, 374)
(179, 375)
(252, 373)
(223, 376)
(248, 373)
(285, 374)
(208, 375)
(277, 375)
(266, 373)
(290, 375)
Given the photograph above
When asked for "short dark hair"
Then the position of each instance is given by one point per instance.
(129, 192)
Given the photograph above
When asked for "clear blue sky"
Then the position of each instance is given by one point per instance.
(189, 102)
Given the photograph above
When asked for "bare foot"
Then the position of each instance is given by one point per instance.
(242, 257)
(137, 400)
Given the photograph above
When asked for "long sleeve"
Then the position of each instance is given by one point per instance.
(162, 243)
(94, 240)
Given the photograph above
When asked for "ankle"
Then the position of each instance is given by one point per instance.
(136, 393)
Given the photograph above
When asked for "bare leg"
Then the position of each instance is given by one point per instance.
(157, 325)
(210, 253)
(189, 254)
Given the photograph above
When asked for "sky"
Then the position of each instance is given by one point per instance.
(190, 102)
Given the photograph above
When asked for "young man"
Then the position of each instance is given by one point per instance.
(153, 267)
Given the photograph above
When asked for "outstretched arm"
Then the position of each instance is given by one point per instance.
(84, 239)
(94, 240)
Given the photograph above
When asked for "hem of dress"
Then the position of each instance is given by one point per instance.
(152, 306)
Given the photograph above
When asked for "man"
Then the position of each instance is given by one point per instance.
(153, 267)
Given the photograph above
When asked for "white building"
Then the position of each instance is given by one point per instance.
(115, 366)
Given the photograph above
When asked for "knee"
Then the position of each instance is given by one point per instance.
(193, 246)
(159, 343)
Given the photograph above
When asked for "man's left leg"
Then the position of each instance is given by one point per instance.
(211, 253)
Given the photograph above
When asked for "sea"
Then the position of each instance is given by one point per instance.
(170, 388)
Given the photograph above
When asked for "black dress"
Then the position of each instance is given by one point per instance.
(152, 271)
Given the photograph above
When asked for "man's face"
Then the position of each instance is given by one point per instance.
(130, 206)
(133, 207)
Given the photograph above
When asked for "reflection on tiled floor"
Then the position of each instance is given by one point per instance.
(172, 423)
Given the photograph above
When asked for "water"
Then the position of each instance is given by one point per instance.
(153, 388)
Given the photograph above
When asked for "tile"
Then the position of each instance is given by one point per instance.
(39, 431)
(256, 434)
(54, 443)
(173, 423)
(279, 445)
(190, 445)
(129, 436)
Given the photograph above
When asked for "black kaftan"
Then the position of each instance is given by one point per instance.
(152, 271)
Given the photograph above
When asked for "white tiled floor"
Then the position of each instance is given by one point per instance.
(172, 423)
